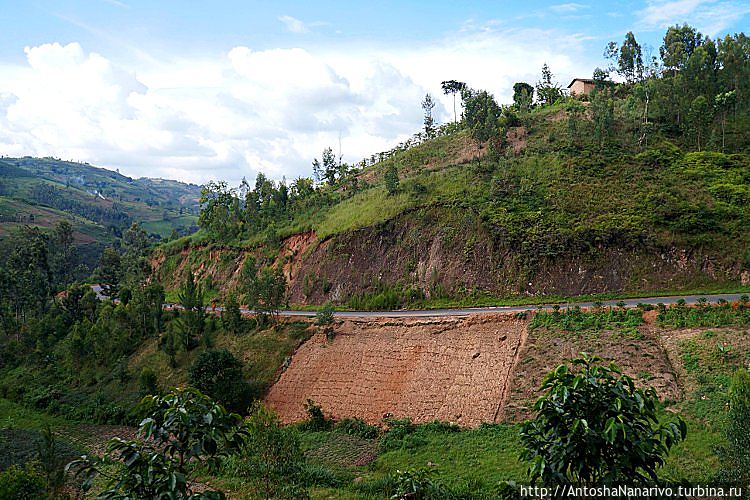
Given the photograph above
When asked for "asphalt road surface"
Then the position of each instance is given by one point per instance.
(433, 313)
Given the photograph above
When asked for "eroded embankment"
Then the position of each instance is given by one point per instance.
(454, 370)
(484, 368)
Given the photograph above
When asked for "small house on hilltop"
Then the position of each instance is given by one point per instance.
(581, 86)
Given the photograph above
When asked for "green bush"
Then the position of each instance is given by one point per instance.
(316, 419)
(594, 427)
(357, 427)
(735, 455)
(217, 373)
(148, 382)
(23, 483)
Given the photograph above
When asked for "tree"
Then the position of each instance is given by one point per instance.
(482, 115)
(429, 122)
(218, 214)
(326, 169)
(181, 427)
(453, 87)
(218, 374)
(136, 268)
(523, 96)
(630, 60)
(699, 118)
(62, 253)
(109, 272)
(28, 278)
(735, 455)
(547, 90)
(391, 179)
(265, 289)
(594, 427)
(723, 103)
(602, 109)
(191, 321)
(231, 317)
(272, 457)
(679, 44)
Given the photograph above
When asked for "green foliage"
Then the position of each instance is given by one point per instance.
(735, 455)
(217, 373)
(271, 456)
(682, 316)
(523, 96)
(593, 427)
(231, 317)
(316, 419)
(576, 320)
(23, 483)
(357, 427)
(148, 382)
(418, 484)
(547, 90)
(265, 289)
(391, 179)
(192, 319)
(180, 427)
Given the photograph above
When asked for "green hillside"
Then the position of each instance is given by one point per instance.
(99, 203)
(638, 186)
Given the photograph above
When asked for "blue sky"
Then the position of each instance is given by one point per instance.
(197, 90)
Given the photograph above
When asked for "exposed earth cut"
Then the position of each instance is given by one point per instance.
(453, 370)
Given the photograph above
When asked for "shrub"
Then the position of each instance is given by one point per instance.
(316, 419)
(593, 426)
(148, 382)
(23, 483)
(217, 373)
(417, 484)
(271, 457)
(357, 427)
(735, 455)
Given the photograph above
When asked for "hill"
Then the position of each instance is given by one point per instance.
(99, 203)
(635, 186)
(545, 215)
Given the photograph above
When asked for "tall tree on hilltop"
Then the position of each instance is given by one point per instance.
(429, 122)
(630, 60)
(326, 168)
(547, 90)
(523, 96)
(453, 87)
(679, 44)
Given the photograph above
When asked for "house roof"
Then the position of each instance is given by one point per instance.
(584, 80)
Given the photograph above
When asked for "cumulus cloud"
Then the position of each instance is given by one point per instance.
(709, 16)
(255, 110)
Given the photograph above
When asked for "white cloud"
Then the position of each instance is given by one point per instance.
(567, 8)
(294, 25)
(708, 16)
(251, 110)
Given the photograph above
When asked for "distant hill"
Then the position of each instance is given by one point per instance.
(100, 203)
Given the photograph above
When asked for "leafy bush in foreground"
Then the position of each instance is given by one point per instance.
(593, 427)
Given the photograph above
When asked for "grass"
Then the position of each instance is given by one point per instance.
(15, 416)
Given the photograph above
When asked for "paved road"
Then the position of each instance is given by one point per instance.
(432, 313)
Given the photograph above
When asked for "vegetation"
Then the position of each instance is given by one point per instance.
(652, 166)
(594, 427)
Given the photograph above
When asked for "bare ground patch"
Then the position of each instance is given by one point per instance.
(453, 369)
(638, 353)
